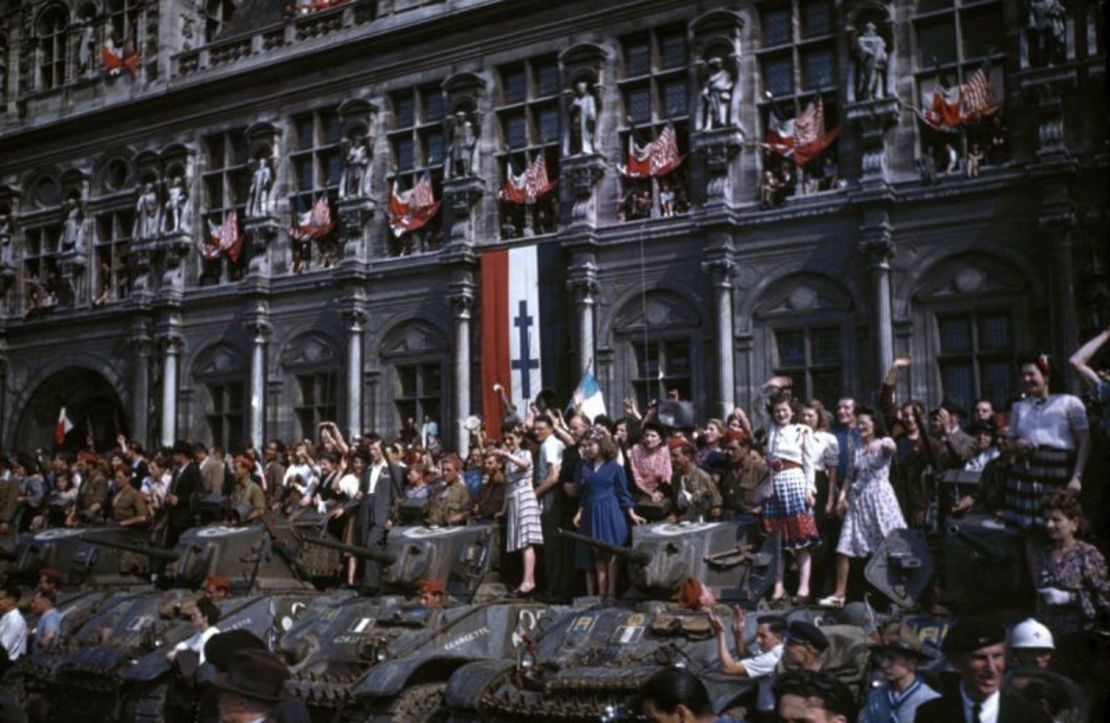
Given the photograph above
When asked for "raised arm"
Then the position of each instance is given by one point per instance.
(1080, 360)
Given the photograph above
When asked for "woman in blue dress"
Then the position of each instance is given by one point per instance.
(603, 503)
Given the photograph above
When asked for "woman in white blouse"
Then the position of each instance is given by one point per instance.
(205, 617)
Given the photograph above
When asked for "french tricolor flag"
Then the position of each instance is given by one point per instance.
(522, 328)
(63, 427)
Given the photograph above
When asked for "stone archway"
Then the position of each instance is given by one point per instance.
(89, 399)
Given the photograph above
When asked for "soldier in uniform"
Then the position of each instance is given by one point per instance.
(695, 492)
(451, 504)
(247, 498)
(9, 496)
(128, 507)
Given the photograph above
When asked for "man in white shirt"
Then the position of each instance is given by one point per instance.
(769, 635)
(205, 617)
(13, 628)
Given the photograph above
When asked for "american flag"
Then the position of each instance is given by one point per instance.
(231, 242)
(978, 97)
(412, 210)
(421, 195)
(536, 181)
(315, 223)
(809, 126)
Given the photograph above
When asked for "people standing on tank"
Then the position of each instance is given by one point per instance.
(523, 526)
(651, 465)
(605, 509)
(826, 456)
(185, 484)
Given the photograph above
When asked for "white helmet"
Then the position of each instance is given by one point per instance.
(1031, 634)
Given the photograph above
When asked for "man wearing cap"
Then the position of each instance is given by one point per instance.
(976, 648)
(896, 700)
(769, 635)
(247, 498)
(431, 594)
(251, 688)
(451, 504)
(1032, 645)
(217, 589)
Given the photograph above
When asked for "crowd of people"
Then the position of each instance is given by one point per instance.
(831, 486)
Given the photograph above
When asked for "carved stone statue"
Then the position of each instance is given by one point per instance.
(7, 251)
(583, 120)
(147, 214)
(355, 181)
(871, 64)
(716, 96)
(73, 228)
(1047, 29)
(175, 217)
(87, 57)
(462, 154)
(258, 196)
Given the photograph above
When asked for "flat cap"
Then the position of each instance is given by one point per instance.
(799, 631)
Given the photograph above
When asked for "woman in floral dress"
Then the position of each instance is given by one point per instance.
(867, 501)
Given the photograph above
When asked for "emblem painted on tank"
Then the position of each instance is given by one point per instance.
(671, 529)
(47, 535)
(361, 625)
(221, 531)
(583, 624)
(627, 634)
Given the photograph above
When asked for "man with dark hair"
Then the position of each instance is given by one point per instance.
(847, 436)
(547, 472)
(806, 696)
(13, 628)
(49, 624)
(977, 648)
(205, 617)
(374, 508)
(676, 695)
(746, 469)
(274, 454)
(185, 483)
(9, 496)
(695, 493)
(769, 635)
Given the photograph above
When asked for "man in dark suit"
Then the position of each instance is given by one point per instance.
(977, 648)
(184, 486)
(377, 487)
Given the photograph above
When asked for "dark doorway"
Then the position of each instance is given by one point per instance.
(91, 403)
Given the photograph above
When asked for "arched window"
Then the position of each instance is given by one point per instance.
(221, 375)
(123, 24)
(659, 339)
(52, 41)
(971, 309)
(414, 356)
(3, 68)
(802, 325)
(312, 363)
(416, 138)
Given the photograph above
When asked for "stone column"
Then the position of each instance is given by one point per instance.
(259, 329)
(140, 394)
(583, 285)
(876, 243)
(170, 348)
(721, 271)
(462, 301)
(355, 318)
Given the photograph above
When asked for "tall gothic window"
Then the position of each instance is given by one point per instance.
(112, 276)
(812, 357)
(975, 359)
(216, 13)
(798, 68)
(418, 145)
(655, 93)
(53, 47)
(41, 275)
(226, 182)
(317, 400)
(123, 23)
(956, 38)
(418, 391)
(661, 365)
(317, 166)
(225, 416)
(528, 115)
(3, 69)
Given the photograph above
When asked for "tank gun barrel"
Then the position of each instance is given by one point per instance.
(380, 556)
(625, 553)
(975, 543)
(151, 552)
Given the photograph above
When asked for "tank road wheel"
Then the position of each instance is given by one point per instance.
(420, 704)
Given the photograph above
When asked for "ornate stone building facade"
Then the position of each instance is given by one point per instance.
(131, 131)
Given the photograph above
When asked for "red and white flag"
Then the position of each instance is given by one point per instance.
(802, 138)
(978, 97)
(64, 427)
(413, 209)
(116, 61)
(961, 105)
(316, 223)
(657, 158)
(224, 238)
(530, 186)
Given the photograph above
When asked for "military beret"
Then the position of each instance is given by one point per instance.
(799, 631)
(971, 634)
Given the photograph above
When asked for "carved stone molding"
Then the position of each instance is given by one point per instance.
(1047, 86)
(580, 176)
(260, 234)
(876, 238)
(461, 194)
(355, 215)
(718, 148)
(873, 118)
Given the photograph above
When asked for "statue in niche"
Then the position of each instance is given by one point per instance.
(7, 251)
(87, 55)
(716, 96)
(355, 180)
(583, 120)
(147, 214)
(177, 200)
(462, 154)
(1047, 30)
(73, 228)
(262, 183)
(871, 62)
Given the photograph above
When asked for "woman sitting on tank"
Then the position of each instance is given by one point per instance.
(604, 502)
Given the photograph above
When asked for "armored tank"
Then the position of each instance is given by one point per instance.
(586, 662)
(389, 656)
(115, 665)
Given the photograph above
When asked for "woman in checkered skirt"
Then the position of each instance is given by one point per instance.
(522, 511)
(789, 511)
(867, 501)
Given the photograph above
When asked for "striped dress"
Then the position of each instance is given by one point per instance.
(787, 512)
(522, 519)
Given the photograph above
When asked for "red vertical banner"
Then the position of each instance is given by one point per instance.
(494, 291)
